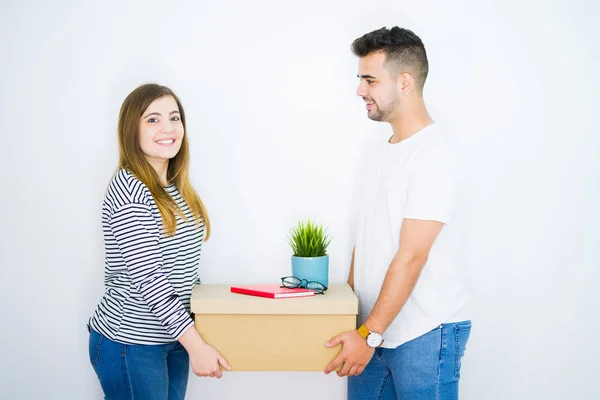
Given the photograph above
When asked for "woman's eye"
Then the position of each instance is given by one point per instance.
(152, 120)
(175, 119)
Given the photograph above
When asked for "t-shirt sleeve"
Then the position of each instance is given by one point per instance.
(432, 186)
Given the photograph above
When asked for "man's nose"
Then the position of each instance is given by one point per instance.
(361, 90)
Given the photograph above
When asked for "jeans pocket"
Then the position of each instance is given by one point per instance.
(94, 347)
(462, 331)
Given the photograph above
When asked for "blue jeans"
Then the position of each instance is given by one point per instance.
(144, 372)
(426, 368)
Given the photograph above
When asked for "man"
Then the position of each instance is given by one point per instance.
(414, 325)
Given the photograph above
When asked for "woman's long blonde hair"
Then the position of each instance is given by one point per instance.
(132, 159)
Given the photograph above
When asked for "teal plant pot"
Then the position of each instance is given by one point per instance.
(311, 268)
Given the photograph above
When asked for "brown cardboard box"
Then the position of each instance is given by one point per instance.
(262, 334)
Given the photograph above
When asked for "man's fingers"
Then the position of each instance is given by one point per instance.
(353, 370)
(334, 342)
(334, 364)
(345, 369)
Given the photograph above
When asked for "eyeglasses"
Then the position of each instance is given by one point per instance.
(291, 282)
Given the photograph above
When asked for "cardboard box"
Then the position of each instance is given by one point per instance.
(262, 334)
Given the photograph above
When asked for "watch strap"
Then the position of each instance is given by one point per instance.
(363, 331)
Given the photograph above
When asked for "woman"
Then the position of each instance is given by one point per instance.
(142, 337)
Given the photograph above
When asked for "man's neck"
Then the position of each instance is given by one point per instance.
(409, 121)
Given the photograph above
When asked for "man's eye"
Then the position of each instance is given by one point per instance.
(370, 82)
(175, 119)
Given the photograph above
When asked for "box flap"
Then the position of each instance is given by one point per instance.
(217, 299)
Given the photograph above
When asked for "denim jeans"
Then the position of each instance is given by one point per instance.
(139, 372)
(426, 368)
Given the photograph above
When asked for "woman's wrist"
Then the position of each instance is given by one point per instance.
(191, 339)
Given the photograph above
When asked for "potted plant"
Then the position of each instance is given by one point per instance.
(310, 261)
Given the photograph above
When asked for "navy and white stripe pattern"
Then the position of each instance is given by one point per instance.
(148, 276)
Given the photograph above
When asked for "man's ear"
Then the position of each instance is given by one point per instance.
(406, 83)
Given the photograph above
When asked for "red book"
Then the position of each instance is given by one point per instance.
(271, 291)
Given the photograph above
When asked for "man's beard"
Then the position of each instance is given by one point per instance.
(383, 112)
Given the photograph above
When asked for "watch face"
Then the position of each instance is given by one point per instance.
(374, 339)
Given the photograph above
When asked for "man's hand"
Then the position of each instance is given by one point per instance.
(355, 354)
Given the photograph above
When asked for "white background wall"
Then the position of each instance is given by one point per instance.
(275, 129)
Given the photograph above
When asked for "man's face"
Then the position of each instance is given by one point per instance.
(377, 88)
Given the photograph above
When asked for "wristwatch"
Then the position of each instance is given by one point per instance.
(373, 339)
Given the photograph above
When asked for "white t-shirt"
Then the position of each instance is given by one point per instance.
(416, 178)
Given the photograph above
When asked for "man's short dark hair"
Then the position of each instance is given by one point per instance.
(403, 49)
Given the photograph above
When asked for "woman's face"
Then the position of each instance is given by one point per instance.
(161, 130)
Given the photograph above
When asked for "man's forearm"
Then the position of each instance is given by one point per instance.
(399, 282)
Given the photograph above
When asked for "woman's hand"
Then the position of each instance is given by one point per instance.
(204, 358)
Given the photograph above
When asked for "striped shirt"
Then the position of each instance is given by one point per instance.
(148, 276)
